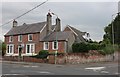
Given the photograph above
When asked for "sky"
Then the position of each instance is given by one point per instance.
(87, 16)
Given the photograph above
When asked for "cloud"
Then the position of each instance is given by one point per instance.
(91, 17)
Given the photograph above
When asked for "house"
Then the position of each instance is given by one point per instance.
(32, 38)
(77, 34)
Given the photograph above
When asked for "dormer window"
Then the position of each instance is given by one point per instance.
(30, 37)
(11, 39)
(20, 38)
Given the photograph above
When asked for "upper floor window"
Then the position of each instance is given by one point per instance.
(55, 45)
(46, 45)
(30, 37)
(20, 38)
(11, 39)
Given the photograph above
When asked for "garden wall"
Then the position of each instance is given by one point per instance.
(70, 58)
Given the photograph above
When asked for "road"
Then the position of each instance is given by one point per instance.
(9, 68)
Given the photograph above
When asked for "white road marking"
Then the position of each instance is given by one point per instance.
(30, 66)
(104, 72)
(34, 66)
(117, 73)
(26, 66)
(95, 68)
(12, 74)
(45, 72)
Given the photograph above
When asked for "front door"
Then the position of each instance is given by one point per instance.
(19, 51)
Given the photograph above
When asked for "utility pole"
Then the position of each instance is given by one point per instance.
(56, 49)
(113, 35)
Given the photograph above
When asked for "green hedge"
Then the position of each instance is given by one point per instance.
(107, 50)
(42, 54)
(85, 47)
(80, 47)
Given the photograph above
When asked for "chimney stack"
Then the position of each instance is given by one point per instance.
(49, 23)
(58, 25)
(15, 23)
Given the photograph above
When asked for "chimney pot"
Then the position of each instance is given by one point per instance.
(49, 23)
(15, 23)
(58, 25)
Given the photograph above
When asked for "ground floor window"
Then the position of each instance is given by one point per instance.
(55, 45)
(46, 45)
(10, 49)
(30, 48)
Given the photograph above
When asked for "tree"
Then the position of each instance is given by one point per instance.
(108, 38)
(2, 48)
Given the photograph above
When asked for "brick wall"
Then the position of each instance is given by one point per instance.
(23, 59)
(71, 58)
(36, 41)
(24, 41)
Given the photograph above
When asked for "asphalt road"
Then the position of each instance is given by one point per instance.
(9, 68)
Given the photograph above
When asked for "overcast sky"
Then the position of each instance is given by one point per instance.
(89, 17)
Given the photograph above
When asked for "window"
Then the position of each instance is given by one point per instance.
(55, 45)
(20, 38)
(30, 37)
(46, 45)
(30, 48)
(10, 49)
(11, 39)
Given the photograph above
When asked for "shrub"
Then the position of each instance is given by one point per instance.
(107, 50)
(3, 49)
(80, 47)
(93, 46)
(42, 54)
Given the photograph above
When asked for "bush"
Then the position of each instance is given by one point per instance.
(80, 47)
(107, 50)
(93, 46)
(85, 47)
(3, 49)
(42, 54)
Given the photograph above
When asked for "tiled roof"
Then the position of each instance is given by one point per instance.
(26, 28)
(77, 31)
(79, 34)
(60, 36)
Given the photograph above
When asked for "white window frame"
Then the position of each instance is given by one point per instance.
(53, 45)
(10, 48)
(19, 38)
(10, 38)
(29, 36)
(44, 46)
(31, 52)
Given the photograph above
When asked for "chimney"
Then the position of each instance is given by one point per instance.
(49, 23)
(58, 25)
(15, 23)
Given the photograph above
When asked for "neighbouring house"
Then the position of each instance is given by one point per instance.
(32, 38)
(77, 34)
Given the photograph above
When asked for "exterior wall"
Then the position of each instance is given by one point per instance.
(76, 38)
(25, 41)
(38, 45)
(67, 29)
(61, 47)
(71, 40)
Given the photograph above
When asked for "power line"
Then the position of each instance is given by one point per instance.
(24, 13)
